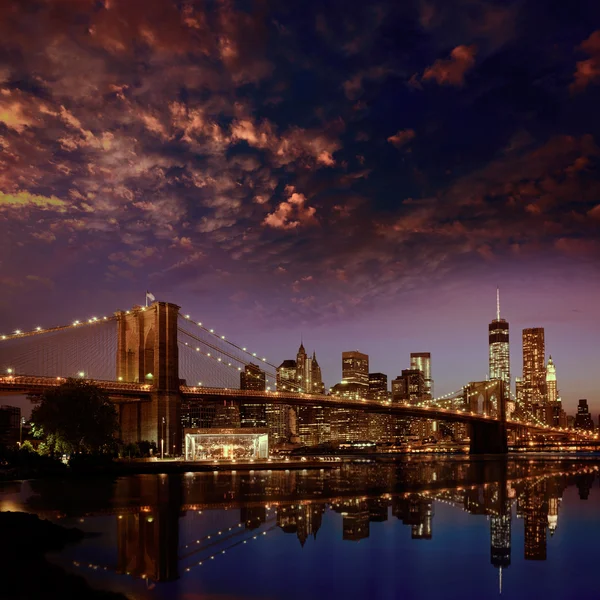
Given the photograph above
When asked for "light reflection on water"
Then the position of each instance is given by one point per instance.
(412, 528)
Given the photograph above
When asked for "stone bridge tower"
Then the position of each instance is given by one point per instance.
(490, 437)
(147, 353)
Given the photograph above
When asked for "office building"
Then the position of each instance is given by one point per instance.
(499, 354)
(355, 369)
(583, 419)
(253, 414)
(378, 387)
(534, 367)
(421, 361)
(282, 420)
(286, 376)
(380, 426)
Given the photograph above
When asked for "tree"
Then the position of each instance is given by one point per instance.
(74, 417)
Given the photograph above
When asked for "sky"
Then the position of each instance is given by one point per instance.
(359, 174)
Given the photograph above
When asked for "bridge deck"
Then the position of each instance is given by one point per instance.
(131, 392)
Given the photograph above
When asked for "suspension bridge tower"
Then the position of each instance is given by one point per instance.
(147, 353)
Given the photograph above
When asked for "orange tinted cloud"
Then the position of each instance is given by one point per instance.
(588, 71)
(401, 137)
(452, 71)
(292, 213)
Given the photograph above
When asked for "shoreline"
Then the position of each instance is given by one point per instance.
(167, 467)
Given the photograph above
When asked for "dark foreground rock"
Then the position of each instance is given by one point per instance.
(24, 571)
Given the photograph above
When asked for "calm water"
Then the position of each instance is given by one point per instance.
(421, 528)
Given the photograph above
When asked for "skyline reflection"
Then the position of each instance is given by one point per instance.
(162, 529)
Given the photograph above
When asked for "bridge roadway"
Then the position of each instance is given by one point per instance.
(122, 392)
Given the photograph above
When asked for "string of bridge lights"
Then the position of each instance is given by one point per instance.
(221, 552)
(18, 333)
(219, 360)
(224, 339)
(272, 376)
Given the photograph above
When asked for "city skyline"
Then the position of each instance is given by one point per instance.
(444, 375)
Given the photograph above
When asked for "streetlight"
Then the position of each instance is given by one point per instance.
(81, 374)
(162, 440)
(21, 431)
(9, 371)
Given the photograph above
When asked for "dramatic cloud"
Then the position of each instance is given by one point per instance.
(452, 71)
(292, 213)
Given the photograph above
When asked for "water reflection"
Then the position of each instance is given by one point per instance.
(156, 539)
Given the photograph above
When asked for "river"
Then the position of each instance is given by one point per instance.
(453, 528)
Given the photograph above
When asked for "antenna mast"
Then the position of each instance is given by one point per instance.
(497, 304)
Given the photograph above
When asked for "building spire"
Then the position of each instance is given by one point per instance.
(497, 303)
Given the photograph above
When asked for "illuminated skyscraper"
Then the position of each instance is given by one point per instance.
(421, 361)
(499, 347)
(534, 366)
(551, 388)
(554, 404)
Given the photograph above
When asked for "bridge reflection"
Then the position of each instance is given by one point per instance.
(155, 543)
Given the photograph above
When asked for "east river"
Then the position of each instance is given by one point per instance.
(454, 528)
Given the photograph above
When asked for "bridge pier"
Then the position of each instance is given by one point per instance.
(489, 438)
(147, 352)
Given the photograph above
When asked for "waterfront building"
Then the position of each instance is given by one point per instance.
(499, 352)
(217, 443)
(421, 361)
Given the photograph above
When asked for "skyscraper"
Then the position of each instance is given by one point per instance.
(499, 347)
(534, 366)
(355, 369)
(253, 378)
(554, 404)
(378, 386)
(303, 370)
(551, 387)
(317, 385)
(583, 419)
(281, 418)
(421, 361)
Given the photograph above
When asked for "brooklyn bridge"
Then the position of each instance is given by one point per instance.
(150, 359)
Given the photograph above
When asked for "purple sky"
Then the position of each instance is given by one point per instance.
(363, 174)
